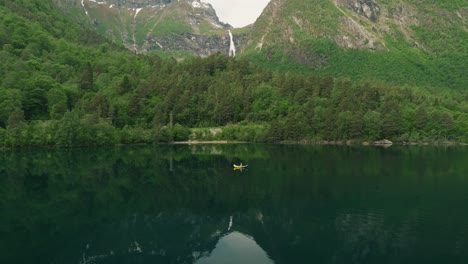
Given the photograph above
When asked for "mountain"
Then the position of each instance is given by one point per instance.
(189, 26)
(418, 42)
(422, 42)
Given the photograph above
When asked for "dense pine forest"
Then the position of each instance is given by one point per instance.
(64, 85)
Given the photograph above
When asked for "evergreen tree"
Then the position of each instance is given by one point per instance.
(87, 78)
(16, 129)
(372, 125)
(125, 86)
(326, 86)
(10, 99)
(420, 118)
(56, 103)
(69, 130)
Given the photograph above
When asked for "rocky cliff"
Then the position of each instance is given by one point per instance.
(406, 41)
(145, 25)
(356, 24)
(199, 44)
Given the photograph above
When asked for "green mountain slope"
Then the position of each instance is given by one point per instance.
(419, 42)
(49, 62)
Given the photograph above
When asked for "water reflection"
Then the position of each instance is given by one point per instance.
(236, 248)
(177, 237)
(185, 204)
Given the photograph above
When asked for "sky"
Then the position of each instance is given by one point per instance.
(238, 13)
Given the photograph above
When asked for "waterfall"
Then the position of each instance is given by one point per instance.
(232, 47)
(82, 4)
(230, 219)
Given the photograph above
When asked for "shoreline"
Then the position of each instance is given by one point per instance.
(300, 142)
(208, 142)
(190, 142)
(372, 144)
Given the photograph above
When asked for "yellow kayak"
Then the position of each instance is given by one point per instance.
(239, 166)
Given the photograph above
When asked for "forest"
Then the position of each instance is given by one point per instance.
(63, 85)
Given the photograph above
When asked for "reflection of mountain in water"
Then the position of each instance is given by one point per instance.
(236, 248)
(180, 237)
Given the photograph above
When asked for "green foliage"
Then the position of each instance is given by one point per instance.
(42, 133)
(134, 135)
(125, 86)
(100, 134)
(171, 26)
(163, 134)
(87, 79)
(248, 133)
(180, 132)
(68, 130)
(16, 133)
(77, 91)
(372, 125)
(56, 102)
(2, 137)
(10, 99)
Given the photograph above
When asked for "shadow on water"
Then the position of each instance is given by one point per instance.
(185, 204)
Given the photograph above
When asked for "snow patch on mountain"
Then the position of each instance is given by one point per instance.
(137, 10)
(97, 2)
(199, 4)
(216, 25)
(196, 4)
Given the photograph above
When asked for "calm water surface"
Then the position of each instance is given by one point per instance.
(185, 204)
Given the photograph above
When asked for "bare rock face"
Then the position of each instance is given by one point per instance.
(367, 8)
(354, 35)
(138, 3)
(384, 142)
(202, 45)
(146, 25)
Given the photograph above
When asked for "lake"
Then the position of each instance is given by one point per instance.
(186, 204)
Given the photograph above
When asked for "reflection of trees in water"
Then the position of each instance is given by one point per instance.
(365, 236)
(295, 201)
(80, 187)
